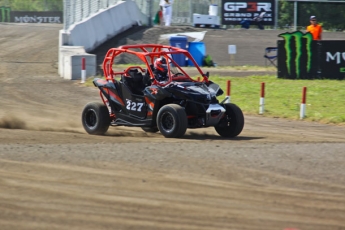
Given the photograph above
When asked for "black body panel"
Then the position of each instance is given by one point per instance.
(139, 106)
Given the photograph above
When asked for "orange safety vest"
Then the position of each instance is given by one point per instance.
(315, 31)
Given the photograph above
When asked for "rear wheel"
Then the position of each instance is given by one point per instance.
(233, 122)
(172, 121)
(95, 118)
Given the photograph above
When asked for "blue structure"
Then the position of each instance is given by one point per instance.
(198, 52)
(179, 42)
(245, 24)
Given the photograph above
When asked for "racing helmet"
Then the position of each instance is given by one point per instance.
(160, 64)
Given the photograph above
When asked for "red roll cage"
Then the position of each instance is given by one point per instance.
(148, 53)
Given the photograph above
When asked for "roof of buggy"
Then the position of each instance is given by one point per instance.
(143, 51)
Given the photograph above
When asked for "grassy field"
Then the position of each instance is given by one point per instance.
(325, 98)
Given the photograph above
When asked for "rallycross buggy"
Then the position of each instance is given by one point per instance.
(134, 97)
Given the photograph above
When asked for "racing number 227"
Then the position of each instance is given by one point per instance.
(131, 105)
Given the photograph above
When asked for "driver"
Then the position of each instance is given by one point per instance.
(161, 69)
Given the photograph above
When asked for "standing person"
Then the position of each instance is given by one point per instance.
(166, 6)
(315, 29)
(158, 18)
(259, 19)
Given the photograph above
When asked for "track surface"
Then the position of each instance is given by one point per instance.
(277, 174)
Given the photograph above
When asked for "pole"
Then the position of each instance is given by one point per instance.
(232, 59)
(150, 9)
(276, 14)
(303, 104)
(295, 15)
(83, 70)
(262, 99)
(191, 11)
(228, 91)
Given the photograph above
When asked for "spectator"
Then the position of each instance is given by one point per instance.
(166, 6)
(314, 28)
(157, 20)
(245, 24)
(259, 19)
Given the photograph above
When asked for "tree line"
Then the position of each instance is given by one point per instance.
(329, 14)
(33, 5)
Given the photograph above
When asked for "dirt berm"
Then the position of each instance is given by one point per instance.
(250, 46)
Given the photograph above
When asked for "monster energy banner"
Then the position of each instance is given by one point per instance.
(6, 15)
(300, 57)
(332, 59)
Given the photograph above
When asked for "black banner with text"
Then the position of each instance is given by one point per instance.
(235, 11)
(7, 15)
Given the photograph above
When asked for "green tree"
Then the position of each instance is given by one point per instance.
(329, 14)
(33, 5)
(285, 14)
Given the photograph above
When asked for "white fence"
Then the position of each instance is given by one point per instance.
(77, 10)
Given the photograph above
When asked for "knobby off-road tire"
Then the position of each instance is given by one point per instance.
(233, 122)
(150, 129)
(172, 121)
(95, 118)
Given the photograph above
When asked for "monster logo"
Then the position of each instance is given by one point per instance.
(5, 14)
(296, 44)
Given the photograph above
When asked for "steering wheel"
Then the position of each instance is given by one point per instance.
(177, 74)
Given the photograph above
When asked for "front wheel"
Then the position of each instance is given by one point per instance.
(231, 125)
(172, 121)
(95, 118)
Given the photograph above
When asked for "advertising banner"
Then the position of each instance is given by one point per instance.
(301, 57)
(297, 58)
(235, 11)
(332, 59)
(7, 15)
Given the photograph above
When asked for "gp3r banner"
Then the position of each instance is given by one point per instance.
(235, 11)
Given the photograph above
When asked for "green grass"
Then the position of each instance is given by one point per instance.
(89, 81)
(245, 68)
(324, 103)
(325, 98)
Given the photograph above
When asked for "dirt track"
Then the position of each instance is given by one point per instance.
(277, 174)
